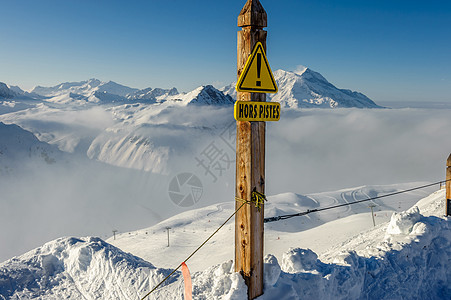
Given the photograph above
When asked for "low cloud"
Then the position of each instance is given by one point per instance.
(307, 151)
(332, 149)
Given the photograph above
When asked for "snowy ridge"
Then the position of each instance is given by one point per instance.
(152, 95)
(203, 95)
(17, 90)
(19, 145)
(6, 92)
(92, 90)
(131, 150)
(85, 88)
(96, 91)
(309, 89)
(147, 137)
(77, 268)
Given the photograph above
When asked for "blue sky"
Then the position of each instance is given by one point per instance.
(389, 50)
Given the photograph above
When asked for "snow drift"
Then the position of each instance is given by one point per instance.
(408, 264)
(77, 268)
(405, 259)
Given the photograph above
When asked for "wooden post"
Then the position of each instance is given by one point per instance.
(448, 186)
(372, 213)
(250, 160)
(168, 228)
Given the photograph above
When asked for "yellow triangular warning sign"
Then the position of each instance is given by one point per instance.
(257, 76)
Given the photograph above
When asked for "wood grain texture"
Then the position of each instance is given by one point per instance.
(253, 14)
(250, 160)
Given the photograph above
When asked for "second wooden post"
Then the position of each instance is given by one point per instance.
(448, 186)
(250, 160)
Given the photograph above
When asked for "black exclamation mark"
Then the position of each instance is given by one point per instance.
(259, 66)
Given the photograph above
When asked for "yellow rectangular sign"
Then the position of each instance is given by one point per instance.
(257, 111)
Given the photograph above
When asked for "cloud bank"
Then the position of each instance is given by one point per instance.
(307, 151)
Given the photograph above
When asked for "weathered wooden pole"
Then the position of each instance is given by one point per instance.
(168, 228)
(372, 213)
(448, 186)
(250, 160)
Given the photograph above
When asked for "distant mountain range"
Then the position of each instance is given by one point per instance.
(306, 89)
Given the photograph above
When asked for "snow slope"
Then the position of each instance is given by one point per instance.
(309, 89)
(405, 258)
(318, 231)
(378, 263)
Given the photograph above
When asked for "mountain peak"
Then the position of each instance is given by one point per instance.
(93, 82)
(209, 95)
(203, 95)
(6, 92)
(304, 73)
(149, 94)
(305, 88)
(300, 69)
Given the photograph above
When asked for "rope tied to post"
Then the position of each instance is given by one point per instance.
(256, 197)
(195, 251)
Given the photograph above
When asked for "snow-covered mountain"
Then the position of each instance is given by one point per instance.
(151, 95)
(6, 92)
(17, 90)
(309, 89)
(92, 90)
(96, 91)
(147, 137)
(203, 95)
(85, 88)
(301, 89)
(18, 145)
